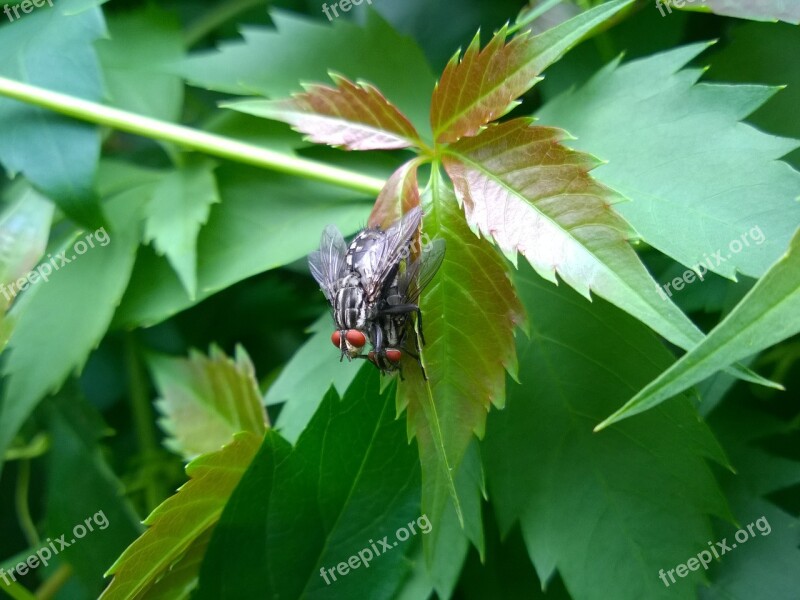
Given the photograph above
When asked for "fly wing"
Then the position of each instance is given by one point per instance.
(420, 273)
(328, 264)
(392, 248)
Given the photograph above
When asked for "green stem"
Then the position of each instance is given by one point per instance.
(21, 504)
(143, 422)
(209, 143)
(16, 591)
(216, 17)
(51, 586)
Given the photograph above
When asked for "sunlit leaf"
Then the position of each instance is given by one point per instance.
(398, 196)
(677, 149)
(769, 313)
(182, 523)
(485, 84)
(758, 10)
(521, 187)
(355, 116)
(205, 400)
(470, 312)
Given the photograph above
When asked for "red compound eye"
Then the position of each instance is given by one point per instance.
(356, 338)
(394, 355)
(336, 339)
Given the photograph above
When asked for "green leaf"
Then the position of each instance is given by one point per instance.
(762, 10)
(178, 209)
(76, 464)
(766, 565)
(754, 54)
(271, 62)
(204, 401)
(677, 149)
(354, 116)
(637, 496)
(520, 186)
(769, 313)
(179, 528)
(306, 377)
(275, 220)
(142, 48)
(52, 48)
(470, 313)
(350, 480)
(485, 84)
(46, 345)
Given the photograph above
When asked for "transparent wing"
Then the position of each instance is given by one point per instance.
(328, 264)
(386, 255)
(420, 273)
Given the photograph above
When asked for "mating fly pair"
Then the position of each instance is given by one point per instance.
(373, 285)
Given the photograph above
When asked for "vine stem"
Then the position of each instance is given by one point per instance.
(187, 137)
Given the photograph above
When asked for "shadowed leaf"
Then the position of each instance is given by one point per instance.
(180, 526)
(637, 496)
(178, 209)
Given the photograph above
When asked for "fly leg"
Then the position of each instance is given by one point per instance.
(402, 309)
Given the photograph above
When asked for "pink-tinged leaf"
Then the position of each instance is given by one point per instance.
(485, 84)
(757, 10)
(481, 87)
(354, 116)
(398, 196)
(520, 186)
(470, 311)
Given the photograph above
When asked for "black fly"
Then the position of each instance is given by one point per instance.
(372, 287)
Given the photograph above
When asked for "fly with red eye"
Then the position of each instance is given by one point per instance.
(372, 286)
